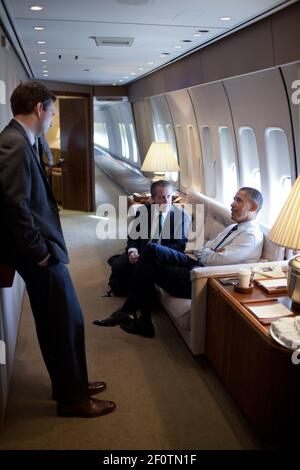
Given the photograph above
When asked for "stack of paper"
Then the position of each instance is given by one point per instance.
(266, 312)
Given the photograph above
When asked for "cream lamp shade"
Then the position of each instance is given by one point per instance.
(160, 159)
(286, 232)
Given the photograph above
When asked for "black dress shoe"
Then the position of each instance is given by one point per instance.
(87, 409)
(136, 328)
(95, 387)
(114, 319)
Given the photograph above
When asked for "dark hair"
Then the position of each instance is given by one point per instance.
(161, 184)
(27, 95)
(254, 195)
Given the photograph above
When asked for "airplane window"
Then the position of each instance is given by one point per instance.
(249, 158)
(228, 162)
(195, 159)
(254, 179)
(286, 183)
(100, 134)
(134, 146)
(209, 162)
(160, 133)
(278, 169)
(124, 141)
(183, 156)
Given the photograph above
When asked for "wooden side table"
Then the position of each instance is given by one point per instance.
(257, 371)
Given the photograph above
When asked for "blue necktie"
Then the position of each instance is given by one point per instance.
(233, 229)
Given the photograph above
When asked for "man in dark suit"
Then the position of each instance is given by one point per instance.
(158, 224)
(32, 242)
(144, 228)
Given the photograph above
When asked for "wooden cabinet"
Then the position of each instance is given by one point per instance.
(258, 372)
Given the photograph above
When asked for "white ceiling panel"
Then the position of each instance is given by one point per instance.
(156, 26)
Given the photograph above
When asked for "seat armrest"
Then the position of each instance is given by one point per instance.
(207, 271)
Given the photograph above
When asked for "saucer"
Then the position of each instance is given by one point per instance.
(243, 290)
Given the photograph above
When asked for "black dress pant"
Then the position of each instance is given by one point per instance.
(60, 328)
(168, 268)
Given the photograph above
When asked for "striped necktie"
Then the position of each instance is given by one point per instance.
(233, 229)
(160, 223)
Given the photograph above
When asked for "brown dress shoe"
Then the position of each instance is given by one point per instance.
(95, 387)
(86, 409)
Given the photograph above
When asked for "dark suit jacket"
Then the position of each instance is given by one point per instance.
(30, 227)
(174, 233)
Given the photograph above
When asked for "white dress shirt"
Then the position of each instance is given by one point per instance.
(242, 246)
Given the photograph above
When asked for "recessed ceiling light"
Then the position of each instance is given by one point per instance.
(141, 68)
(203, 31)
(113, 84)
(197, 34)
(121, 80)
(42, 52)
(86, 70)
(45, 71)
(126, 77)
(177, 47)
(186, 40)
(150, 63)
(36, 8)
(45, 75)
(164, 53)
(225, 18)
(132, 73)
(38, 28)
(41, 42)
(43, 60)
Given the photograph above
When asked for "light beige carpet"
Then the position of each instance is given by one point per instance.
(166, 399)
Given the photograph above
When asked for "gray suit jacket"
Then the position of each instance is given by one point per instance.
(30, 227)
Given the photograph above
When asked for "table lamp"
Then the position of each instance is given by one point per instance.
(160, 159)
(286, 232)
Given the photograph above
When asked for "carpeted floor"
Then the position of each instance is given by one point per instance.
(166, 399)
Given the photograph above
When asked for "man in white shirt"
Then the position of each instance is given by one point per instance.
(170, 269)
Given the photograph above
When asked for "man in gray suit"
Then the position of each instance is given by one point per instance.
(31, 240)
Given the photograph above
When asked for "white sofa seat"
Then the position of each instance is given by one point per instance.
(189, 315)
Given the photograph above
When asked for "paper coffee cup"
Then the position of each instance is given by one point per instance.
(244, 278)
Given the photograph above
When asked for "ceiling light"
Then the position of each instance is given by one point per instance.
(43, 60)
(86, 70)
(36, 8)
(150, 63)
(203, 31)
(164, 53)
(42, 52)
(121, 80)
(41, 42)
(38, 28)
(197, 34)
(126, 77)
(225, 18)
(132, 73)
(177, 47)
(186, 40)
(45, 75)
(113, 84)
